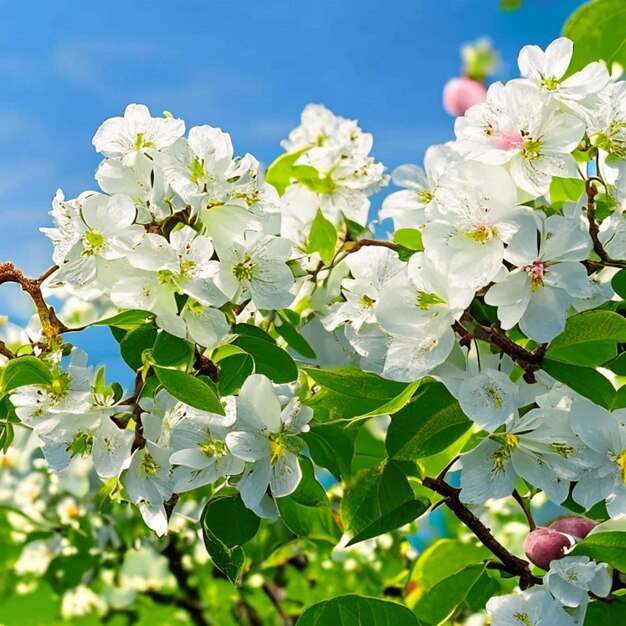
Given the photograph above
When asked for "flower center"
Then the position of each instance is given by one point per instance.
(536, 270)
(211, 447)
(425, 196)
(482, 233)
(93, 241)
(148, 465)
(366, 302)
(621, 462)
(493, 393)
(523, 618)
(81, 444)
(551, 83)
(141, 142)
(277, 446)
(426, 300)
(245, 269)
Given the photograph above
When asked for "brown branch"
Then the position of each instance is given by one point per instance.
(273, 593)
(530, 362)
(4, 351)
(205, 366)
(51, 325)
(190, 599)
(594, 229)
(361, 243)
(513, 564)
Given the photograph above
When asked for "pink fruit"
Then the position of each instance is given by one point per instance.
(575, 525)
(546, 544)
(459, 94)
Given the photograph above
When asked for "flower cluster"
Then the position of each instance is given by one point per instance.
(254, 307)
(179, 217)
(180, 448)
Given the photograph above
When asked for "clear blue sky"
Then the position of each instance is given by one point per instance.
(248, 67)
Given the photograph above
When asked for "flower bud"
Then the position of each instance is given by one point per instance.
(459, 94)
(546, 544)
(575, 525)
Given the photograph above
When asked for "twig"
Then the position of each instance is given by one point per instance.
(530, 362)
(594, 229)
(51, 325)
(513, 564)
(190, 598)
(205, 366)
(526, 508)
(273, 594)
(4, 351)
(361, 243)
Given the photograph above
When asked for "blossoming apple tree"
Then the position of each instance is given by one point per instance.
(471, 363)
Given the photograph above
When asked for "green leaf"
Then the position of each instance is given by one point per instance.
(25, 370)
(307, 511)
(619, 284)
(229, 520)
(313, 179)
(353, 382)
(322, 238)
(170, 351)
(226, 525)
(597, 30)
(451, 594)
(6, 435)
(234, 370)
(395, 404)
(330, 405)
(280, 172)
(584, 380)
(426, 426)
(253, 331)
(618, 365)
(444, 558)
(331, 447)
(269, 359)
(294, 339)
(189, 390)
(378, 500)
(410, 238)
(135, 342)
(354, 610)
(601, 613)
(564, 190)
(589, 338)
(605, 547)
(126, 319)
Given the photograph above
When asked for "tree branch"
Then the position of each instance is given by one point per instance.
(594, 229)
(51, 325)
(361, 243)
(513, 564)
(190, 600)
(530, 362)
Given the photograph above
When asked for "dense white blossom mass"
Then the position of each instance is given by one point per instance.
(488, 263)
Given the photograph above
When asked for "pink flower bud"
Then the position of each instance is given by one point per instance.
(575, 525)
(459, 94)
(546, 544)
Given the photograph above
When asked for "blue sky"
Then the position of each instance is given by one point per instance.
(248, 67)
